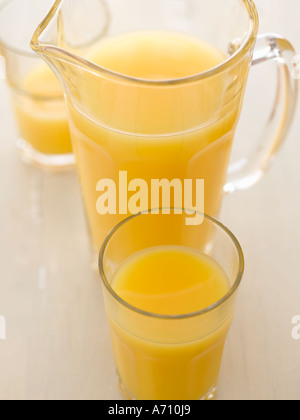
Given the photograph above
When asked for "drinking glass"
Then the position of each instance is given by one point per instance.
(36, 95)
(176, 357)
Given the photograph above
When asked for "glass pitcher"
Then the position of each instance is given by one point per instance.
(154, 91)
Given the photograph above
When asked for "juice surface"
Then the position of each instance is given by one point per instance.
(41, 114)
(156, 55)
(169, 281)
(182, 131)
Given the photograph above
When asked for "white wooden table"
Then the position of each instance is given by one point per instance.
(57, 344)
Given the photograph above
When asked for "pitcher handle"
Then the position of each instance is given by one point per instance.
(248, 171)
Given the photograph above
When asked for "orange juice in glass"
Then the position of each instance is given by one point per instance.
(169, 305)
(41, 113)
(155, 89)
(37, 97)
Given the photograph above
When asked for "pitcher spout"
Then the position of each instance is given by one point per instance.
(68, 30)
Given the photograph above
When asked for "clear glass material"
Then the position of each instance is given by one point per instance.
(37, 97)
(169, 357)
(162, 128)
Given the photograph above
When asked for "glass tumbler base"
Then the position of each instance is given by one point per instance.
(210, 396)
(54, 163)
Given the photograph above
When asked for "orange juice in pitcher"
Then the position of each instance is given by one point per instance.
(151, 131)
(154, 90)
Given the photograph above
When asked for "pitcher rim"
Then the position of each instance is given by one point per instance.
(63, 55)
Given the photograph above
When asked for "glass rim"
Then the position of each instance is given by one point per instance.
(60, 54)
(5, 45)
(201, 312)
(36, 97)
